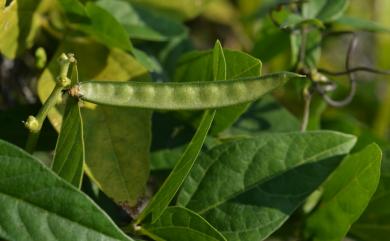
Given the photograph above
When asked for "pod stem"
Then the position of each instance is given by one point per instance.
(34, 123)
(142, 231)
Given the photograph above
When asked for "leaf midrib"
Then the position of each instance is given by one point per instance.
(121, 176)
(233, 195)
(184, 228)
(258, 63)
(354, 178)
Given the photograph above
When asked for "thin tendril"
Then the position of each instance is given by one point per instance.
(355, 69)
(306, 111)
(351, 76)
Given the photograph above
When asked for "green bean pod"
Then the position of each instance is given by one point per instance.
(179, 96)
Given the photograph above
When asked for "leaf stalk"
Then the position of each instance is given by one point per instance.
(34, 124)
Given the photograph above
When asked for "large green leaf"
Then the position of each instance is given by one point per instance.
(346, 194)
(197, 66)
(117, 139)
(247, 188)
(96, 21)
(325, 10)
(117, 144)
(164, 196)
(17, 27)
(36, 204)
(177, 223)
(70, 152)
(141, 22)
(374, 224)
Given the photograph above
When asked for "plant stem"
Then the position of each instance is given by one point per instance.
(149, 234)
(302, 48)
(306, 111)
(41, 116)
(34, 124)
(32, 141)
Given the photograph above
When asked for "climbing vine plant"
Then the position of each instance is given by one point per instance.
(193, 120)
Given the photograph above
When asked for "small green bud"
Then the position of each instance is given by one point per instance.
(71, 58)
(63, 59)
(318, 77)
(40, 58)
(63, 81)
(32, 124)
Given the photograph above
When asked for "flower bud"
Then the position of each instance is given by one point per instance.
(32, 124)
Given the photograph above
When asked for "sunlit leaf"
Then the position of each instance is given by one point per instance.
(17, 28)
(357, 177)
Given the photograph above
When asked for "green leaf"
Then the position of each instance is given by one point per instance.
(142, 23)
(362, 24)
(105, 28)
(332, 10)
(69, 154)
(265, 115)
(164, 196)
(117, 140)
(165, 159)
(178, 223)
(357, 177)
(97, 22)
(37, 205)
(17, 28)
(374, 224)
(325, 10)
(197, 66)
(219, 62)
(248, 188)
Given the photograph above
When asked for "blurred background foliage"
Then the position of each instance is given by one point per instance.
(164, 30)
